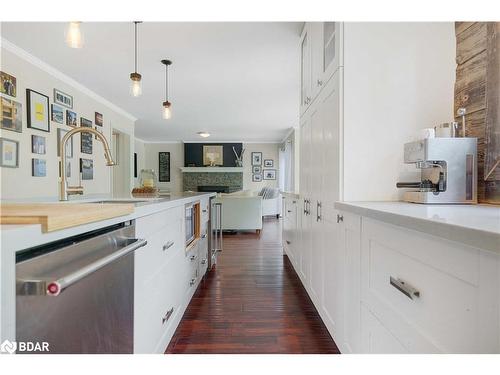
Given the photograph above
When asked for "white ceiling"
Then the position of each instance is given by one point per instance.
(238, 81)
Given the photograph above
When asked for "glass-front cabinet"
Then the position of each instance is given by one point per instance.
(305, 70)
(320, 58)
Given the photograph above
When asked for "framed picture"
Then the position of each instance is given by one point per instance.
(268, 163)
(38, 145)
(86, 143)
(39, 168)
(9, 153)
(87, 169)
(8, 85)
(164, 167)
(11, 115)
(256, 158)
(257, 178)
(135, 164)
(71, 118)
(256, 169)
(98, 119)
(269, 174)
(57, 114)
(38, 110)
(85, 123)
(213, 155)
(63, 99)
(69, 144)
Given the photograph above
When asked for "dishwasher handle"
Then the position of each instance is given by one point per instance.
(54, 288)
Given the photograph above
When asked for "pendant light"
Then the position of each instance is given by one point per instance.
(74, 37)
(167, 112)
(135, 78)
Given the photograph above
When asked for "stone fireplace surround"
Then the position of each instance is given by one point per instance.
(233, 181)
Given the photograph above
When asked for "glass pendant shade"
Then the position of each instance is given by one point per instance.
(74, 36)
(135, 84)
(167, 111)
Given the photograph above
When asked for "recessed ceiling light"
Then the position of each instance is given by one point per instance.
(204, 134)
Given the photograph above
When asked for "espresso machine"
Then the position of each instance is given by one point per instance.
(448, 171)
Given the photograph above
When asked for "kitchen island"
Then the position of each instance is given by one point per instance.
(165, 273)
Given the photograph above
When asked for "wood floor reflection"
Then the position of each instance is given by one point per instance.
(253, 302)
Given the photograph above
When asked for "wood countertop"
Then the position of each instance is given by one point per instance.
(57, 216)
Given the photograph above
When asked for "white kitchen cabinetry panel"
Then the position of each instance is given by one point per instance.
(305, 69)
(306, 200)
(350, 260)
(450, 306)
(157, 302)
(162, 245)
(376, 338)
(326, 53)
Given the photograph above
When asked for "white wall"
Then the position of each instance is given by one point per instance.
(176, 162)
(269, 151)
(398, 78)
(18, 183)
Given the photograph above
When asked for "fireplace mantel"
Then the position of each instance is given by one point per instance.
(212, 169)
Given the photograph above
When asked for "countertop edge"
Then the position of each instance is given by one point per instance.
(31, 234)
(469, 236)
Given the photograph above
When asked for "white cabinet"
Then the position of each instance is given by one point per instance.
(305, 69)
(158, 267)
(349, 242)
(305, 193)
(432, 295)
(166, 276)
(321, 56)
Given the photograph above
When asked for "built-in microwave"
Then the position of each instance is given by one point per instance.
(192, 222)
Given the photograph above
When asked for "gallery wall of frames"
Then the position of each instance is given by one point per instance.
(36, 110)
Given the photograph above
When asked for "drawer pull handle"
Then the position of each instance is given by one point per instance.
(204, 261)
(192, 257)
(168, 245)
(404, 288)
(167, 315)
(192, 281)
(288, 242)
(204, 235)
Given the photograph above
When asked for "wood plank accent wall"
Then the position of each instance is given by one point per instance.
(477, 89)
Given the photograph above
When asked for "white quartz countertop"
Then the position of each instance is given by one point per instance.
(473, 225)
(19, 237)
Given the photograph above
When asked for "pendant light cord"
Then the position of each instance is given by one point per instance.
(166, 82)
(135, 23)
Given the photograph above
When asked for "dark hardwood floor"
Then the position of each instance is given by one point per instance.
(253, 302)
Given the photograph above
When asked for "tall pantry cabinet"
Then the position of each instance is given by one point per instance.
(318, 260)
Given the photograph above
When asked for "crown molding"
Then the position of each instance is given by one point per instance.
(25, 55)
(292, 129)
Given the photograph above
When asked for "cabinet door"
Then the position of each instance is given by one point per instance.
(331, 50)
(305, 192)
(305, 69)
(317, 172)
(326, 40)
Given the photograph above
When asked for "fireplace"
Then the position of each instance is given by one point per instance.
(213, 189)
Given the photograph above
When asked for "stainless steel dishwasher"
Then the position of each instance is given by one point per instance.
(77, 294)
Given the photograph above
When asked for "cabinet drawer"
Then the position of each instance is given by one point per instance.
(157, 302)
(162, 246)
(147, 225)
(449, 313)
